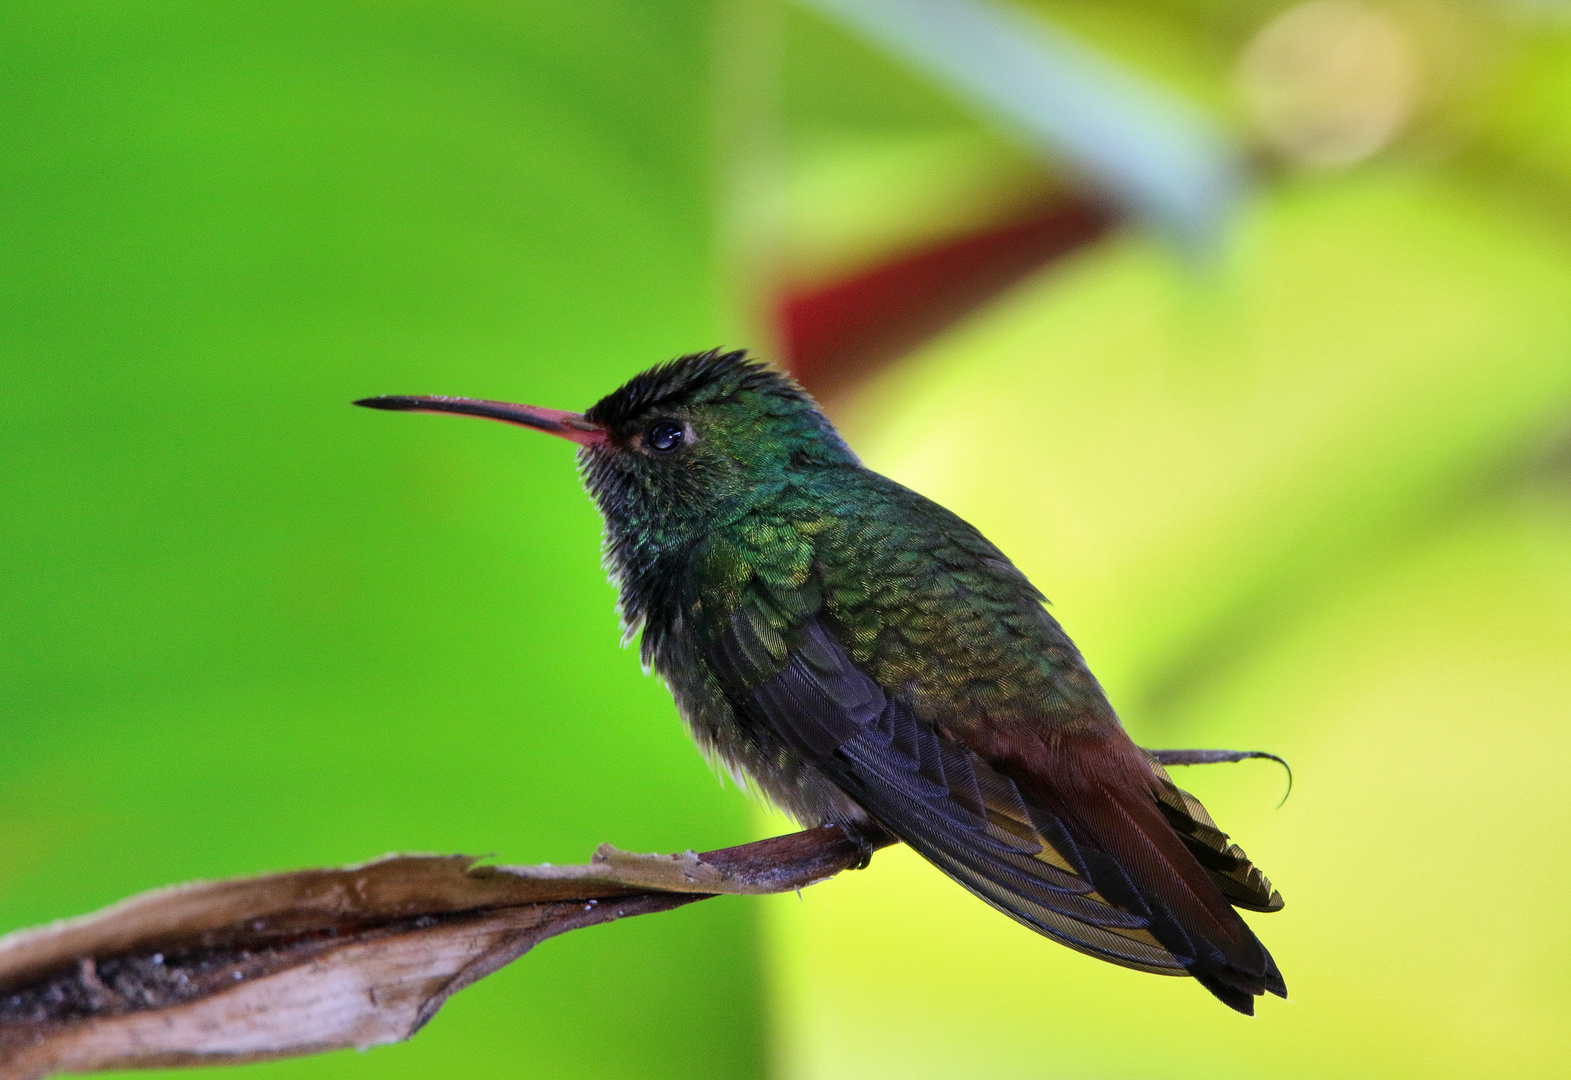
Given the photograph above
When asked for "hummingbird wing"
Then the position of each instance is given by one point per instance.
(1101, 871)
(940, 798)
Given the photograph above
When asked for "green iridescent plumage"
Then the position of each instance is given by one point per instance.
(860, 655)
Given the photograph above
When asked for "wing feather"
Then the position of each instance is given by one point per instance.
(939, 797)
(1103, 873)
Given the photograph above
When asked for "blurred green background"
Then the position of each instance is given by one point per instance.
(1306, 487)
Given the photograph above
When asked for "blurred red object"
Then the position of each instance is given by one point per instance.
(834, 334)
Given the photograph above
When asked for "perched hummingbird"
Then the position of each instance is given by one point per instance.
(863, 657)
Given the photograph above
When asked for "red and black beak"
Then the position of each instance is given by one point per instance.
(568, 425)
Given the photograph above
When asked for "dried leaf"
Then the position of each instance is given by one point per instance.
(267, 967)
(285, 964)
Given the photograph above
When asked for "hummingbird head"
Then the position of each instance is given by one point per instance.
(677, 446)
(703, 434)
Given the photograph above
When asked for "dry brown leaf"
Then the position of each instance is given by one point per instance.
(298, 963)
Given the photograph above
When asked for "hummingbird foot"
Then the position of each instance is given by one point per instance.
(867, 837)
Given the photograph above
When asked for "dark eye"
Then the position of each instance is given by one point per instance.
(664, 436)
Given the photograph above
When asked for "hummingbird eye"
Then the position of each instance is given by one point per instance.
(663, 436)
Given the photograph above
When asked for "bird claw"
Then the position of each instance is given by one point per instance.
(867, 837)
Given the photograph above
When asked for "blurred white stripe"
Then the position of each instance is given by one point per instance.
(1150, 152)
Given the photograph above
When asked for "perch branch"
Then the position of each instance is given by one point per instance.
(268, 967)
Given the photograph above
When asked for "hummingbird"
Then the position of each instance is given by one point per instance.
(863, 657)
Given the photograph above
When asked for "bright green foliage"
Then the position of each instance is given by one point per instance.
(248, 627)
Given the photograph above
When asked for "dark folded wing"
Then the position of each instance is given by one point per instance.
(801, 689)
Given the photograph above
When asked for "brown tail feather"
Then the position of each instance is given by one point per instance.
(1240, 881)
(1101, 786)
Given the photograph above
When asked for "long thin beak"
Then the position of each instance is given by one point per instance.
(568, 425)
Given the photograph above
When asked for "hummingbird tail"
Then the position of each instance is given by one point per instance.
(1151, 848)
